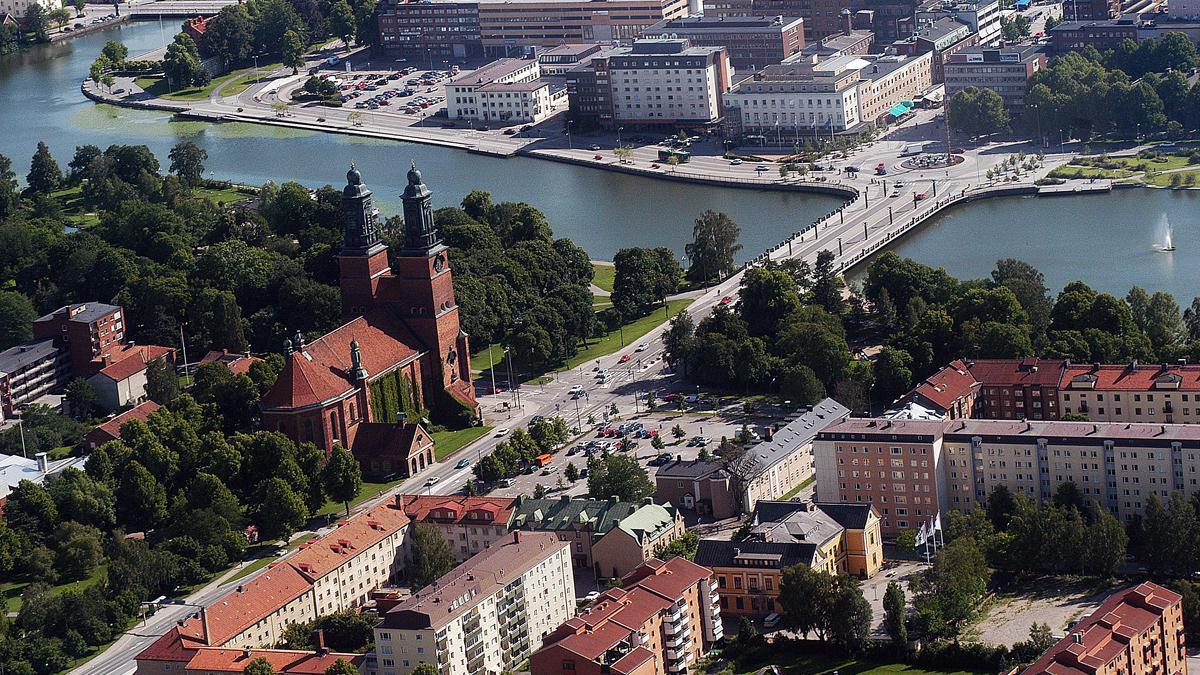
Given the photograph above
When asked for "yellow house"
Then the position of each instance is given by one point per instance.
(637, 538)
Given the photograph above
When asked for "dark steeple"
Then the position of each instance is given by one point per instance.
(357, 372)
(420, 234)
(361, 233)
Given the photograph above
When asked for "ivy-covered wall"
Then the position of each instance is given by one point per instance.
(391, 393)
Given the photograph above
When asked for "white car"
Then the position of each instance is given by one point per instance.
(735, 162)
(643, 347)
(577, 389)
(432, 481)
(591, 597)
(502, 431)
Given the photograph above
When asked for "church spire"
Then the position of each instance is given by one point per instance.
(357, 371)
(360, 235)
(421, 235)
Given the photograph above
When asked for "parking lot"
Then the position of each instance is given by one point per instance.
(406, 91)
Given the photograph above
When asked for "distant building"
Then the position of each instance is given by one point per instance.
(469, 524)
(890, 20)
(1136, 630)
(195, 28)
(942, 38)
(834, 538)
(423, 31)
(507, 91)
(1091, 10)
(822, 18)
(20, 8)
(14, 469)
(556, 61)
(121, 381)
(1005, 71)
(1105, 34)
(751, 42)
(30, 371)
(704, 487)
(238, 363)
(847, 43)
(982, 16)
(950, 393)
(662, 619)
(110, 430)
(487, 615)
(85, 330)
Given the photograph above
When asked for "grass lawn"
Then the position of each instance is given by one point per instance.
(1164, 179)
(11, 590)
(796, 490)
(445, 443)
(1072, 171)
(605, 275)
(633, 331)
(74, 209)
(819, 664)
(239, 80)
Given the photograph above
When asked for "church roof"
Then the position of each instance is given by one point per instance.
(320, 370)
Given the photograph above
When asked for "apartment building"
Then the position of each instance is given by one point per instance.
(216, 660)
(507, 91)
(1135, 630)
(753, 43)
(1017, 388)
(661, 620)
(950, 393)
(469, 524)
(704, 487)
(85, 330)
(1006, 71)
(121, 380)
(834, 538)
(485, 616)
(20, 8)
(584, 523)
(329, 574)
(28, 372)
(668, 83)
(890, 80)
(981, 16)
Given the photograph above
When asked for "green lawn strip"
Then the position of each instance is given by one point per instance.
(368, 491)
(1164, 179)
(633, 331)
(819, 664)
(446, 443)
(796, 490)
(1073, 171)
(226, 195)
(73, 206)
(157, 86)
(605, 276)
(11, 590)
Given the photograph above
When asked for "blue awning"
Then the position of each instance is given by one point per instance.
(898, 110)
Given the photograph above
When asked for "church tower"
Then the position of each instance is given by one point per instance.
(364, 257)
(421, 287)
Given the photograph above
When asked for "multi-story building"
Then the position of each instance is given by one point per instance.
(1017, 388)
(982, 16)
(556, 61)
(785, 101)
(641, 529)
(890, 80)
(890, 20)
(1104, 34)
(950, 393)
(30, 371)
(751, 42)
(589, 91)
(85, 330)
(668, 83)
(469, 524)
(833, 538)
(122, 378)
(1005, 71)
(1136, 630)
(20, 8)
(507, 91)
(1091, 10)
(943, 37)
(661, 620)
(487, 615)
(704, 487)
(822, 18)
(914, 470)
(499, 28)
(846, 43)
(1133, 392)
(332, 573)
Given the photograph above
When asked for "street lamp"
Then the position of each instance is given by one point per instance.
(619, 136)
(569, 145)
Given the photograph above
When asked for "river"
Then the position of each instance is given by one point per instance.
(1107, 241)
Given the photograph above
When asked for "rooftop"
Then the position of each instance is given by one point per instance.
(432, 508)
(704, 23)
(141, 411)
(802, 525)
(496, 70)
(284, 662)
(775, 555)
(480, 577)
(14, 359)
(947, 385)
(797, 434)
(688, 469)
(85, 312)
(1057, 431)
(1027, 371)
(564, 513)
(348, 539)
(129, 359)
(648, 522)
(849, 516)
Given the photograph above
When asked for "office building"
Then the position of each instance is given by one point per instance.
(589, 92)
(469, 524)
(662, 619)
(1103, 34)
(485, 616)
(423, 31)
(822, 18)
(833, 538)
(752, 43)
(890, 20)
(982, 16)
(1091, 10)
(556, 61)
(1005, 71)
(1135, 630)
(847, 43)
(507, 91)
(668, 83)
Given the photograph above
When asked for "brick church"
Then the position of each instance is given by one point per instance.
(401, 350)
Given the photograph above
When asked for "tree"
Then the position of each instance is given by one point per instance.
(431, 555)
(181, 64)
(187, 162)
(341, 21)
(344, 667)
(976, 111)
(713, 247)
(644, 277)
(947, 594)
(115, 51)
(571, 472)
(366, 26)
(16, 319)
(768, 297)
(1001, 507)
(679, 337)
(849, 618)
(894, 607)
(800, 385)
(683, 547)
(677, 432)
(44, 174)
(281, 511)
(1015, 29)
(805, 596)
(342, 476)
(9, 197)
(259, 666)
(78, 550)
(162, 384)
(292, 51)
(37, 22)
(141, 498)
(620, 476)
(230, 35)
(827, 285)
(82, 399)
(425, 669)
(893, 373)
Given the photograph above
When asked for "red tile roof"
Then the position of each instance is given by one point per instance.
(178, 644)
(1106, 632)
(462, 509)
(1028, 371)
(239, 610)
(127, 360)
(347, 540)
(629, 663)
(319, 371)
(379, 440)
(238, 364)
(1133, 377)
(668, 579)
(947, 385)
(111, 429)
(284, 662)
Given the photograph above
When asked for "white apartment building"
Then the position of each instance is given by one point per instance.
(506, 91)
(19, 8)
(668, 82)
(788, 99)
(488, 614)
(983, 17)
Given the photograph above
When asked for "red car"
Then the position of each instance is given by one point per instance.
(920, 196)
(726, 300)
(671, 398)
(624, 359)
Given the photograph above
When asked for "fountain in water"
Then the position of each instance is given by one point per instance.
(1168, 243)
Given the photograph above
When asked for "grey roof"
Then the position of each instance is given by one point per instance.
(720, 553)
(795, 435)
(849, 516)
(14, 359)
(688, 469)
(800, 526)
(91, 311)
(596, 515)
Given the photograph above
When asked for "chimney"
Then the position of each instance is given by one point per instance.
(516, 536)
(319, 642)
(647, 501)
(564, 500)
(246, 653)
(204, 637)
(1077, 637)
(613, 499)
(678, 458)
(43, 462)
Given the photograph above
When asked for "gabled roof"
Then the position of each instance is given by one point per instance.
(692, 469)
(262, 595)
(433, 508)
(797, 434)
(320, 370)
(383, 439)
(283, 661)
(128, 360)
(720, 553)
(1027, 371)
(237, 363)
(596, 515)
(350, 538)
(947, 385)
(648, 522)
(112, 427)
